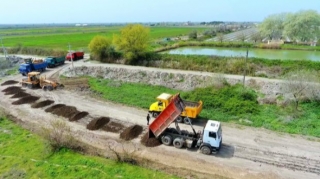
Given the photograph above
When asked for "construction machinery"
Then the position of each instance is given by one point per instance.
(32, 65)
(34, 80)
(191, 110)
(208, 140)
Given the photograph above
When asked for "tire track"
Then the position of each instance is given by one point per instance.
(291, 162)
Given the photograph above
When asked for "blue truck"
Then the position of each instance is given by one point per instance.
(35, 65)
(55, 61)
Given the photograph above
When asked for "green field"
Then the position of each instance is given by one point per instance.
(78, 37)
(26, 155)
(229, 104)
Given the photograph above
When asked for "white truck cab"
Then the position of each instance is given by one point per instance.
(211, 137)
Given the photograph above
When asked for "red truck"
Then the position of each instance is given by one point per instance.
(208, 140)
(74, 55)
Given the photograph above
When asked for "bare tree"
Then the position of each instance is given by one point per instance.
(220, 37)
(256, 37)
(122, 152)
(302, 84)
(241, 37)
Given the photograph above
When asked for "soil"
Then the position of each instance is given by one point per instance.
(97, 123)
(66, 111)
(52, 108)
(42, 104)
(26, 100)
(113, 127)
(9, 82)
(149, 141)
(20, 94)
(12, 90)
(79, 115)
(131, 132)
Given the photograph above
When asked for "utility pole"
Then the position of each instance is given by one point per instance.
(71, 59)
(245, 69)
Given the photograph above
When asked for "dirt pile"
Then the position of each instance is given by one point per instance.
(26, 100)
(97, 123)
(66, 111)
(78, 116)
(42, 104)
(149, 142)
(131, 132)
(52, 108)
(20, 94)
(12, 90)
(113, 127)
(9, 82)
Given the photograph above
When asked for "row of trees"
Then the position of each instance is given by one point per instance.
(132, 43)
(300, 27)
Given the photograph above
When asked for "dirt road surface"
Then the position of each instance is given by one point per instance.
(246, 152)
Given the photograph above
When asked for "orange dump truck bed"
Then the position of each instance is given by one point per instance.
(167, 116)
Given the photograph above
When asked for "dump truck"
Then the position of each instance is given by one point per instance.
(34, 80)
(191, 111)
(55, 61)
(74, 55)
(208, 140)
(32, 65)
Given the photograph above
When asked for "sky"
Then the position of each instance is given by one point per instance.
(113, 11)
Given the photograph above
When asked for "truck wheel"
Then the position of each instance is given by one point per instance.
(155, 114)
(24, 85)
(179, 119)
(50, 88)
(30, 86)
(187, 120)
(44, 88)
(206, 150)
(178, 143)
(166, 140)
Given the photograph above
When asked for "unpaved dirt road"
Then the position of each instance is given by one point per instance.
(246, 152)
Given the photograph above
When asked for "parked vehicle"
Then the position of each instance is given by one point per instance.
(74, 55)
(32, 65)
(34, 80)
(55, 61)
(208, 140)
(192, 109)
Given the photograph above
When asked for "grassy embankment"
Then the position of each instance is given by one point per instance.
(229, 104)
(26, 155)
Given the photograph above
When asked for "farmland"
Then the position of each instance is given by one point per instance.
(78, 37)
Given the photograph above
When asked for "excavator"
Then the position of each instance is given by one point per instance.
(34, 80)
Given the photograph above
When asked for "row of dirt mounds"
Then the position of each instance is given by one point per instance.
(97, 123)
(42, 104)
(114, 127)
(20, 94)
(9, 82)
(79, 115)
(12, 90)
(26, 100)
(131, 132)
(149, 141)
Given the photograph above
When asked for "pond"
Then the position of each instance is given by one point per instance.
(258, 53)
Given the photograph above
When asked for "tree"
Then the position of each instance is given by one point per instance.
(303, 26)
(220, 37)
(132, 41)
(241, 37)
(256, 37)
(193, 35)
(209, 33)
(272, 26)
(99, 47)
(302, 84)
